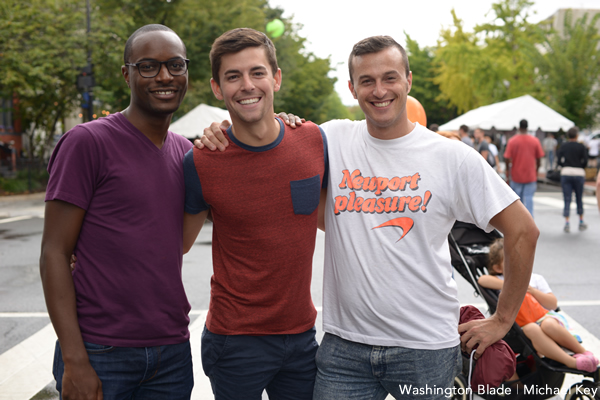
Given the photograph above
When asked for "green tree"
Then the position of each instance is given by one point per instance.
(491, 64)
(510, 41)
(42, 44)
(569, 67)
(424, 89)
(356, 113)
(456, 60)
(335, 109)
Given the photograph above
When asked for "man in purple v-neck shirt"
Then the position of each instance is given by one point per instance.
(115, 199)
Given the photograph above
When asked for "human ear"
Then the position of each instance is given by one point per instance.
(216, 89)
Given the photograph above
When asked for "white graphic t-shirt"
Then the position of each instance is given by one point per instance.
(390, 206)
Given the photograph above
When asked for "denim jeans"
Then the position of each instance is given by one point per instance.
(550, 159)
(240, 367)
(163, 372)
(525, 191)
(350, 370)
(569, 185)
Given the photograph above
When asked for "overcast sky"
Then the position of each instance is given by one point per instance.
(332, 27)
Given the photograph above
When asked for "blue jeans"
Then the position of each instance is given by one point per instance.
(569, 185)
(240, 367)
(550, 155)
(525, 191)
(163, 372)
(350, 370)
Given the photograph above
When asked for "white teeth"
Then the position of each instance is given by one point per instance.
(384, 104)
(249, 101)
(164, 92)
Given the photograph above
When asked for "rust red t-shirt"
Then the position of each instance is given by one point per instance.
(264, 204)
(129, 252)
(523, 151)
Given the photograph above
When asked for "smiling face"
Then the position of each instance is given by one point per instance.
(247, 85)
(381, 87)
(159, 96)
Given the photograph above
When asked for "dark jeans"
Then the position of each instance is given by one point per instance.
(163, 372)
(240, 367)
(569, 185)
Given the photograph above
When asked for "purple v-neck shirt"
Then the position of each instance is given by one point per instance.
(129, 252)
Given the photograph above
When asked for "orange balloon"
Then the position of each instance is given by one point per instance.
(415, 111)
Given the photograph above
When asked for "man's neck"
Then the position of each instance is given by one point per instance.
(154, 127)
(256, 134)
(395, 131)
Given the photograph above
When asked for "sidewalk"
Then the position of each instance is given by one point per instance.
(22, 205)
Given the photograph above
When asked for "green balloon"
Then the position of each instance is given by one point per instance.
(275, 28)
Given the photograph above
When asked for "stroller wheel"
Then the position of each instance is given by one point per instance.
(584, 390)
(460, 388)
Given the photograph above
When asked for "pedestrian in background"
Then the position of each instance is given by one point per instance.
(549, 144)
(489, 138)
(463, 131)
(522, 158)
(573, 158)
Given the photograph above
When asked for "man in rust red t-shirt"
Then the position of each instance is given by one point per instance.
(522, 157)
(263, 194)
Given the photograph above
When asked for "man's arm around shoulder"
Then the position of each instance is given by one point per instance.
(520, 239)
(62, 224)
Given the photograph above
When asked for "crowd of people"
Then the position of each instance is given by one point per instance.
(567, 158)
(128, 198)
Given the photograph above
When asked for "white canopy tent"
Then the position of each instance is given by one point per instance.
(193, 123)
(505, 116)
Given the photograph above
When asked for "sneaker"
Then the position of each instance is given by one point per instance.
(591, 356)
(582, 226)
(567, 229)
(585, 364)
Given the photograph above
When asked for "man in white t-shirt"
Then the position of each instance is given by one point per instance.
(390, 307)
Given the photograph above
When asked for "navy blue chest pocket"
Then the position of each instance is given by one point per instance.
(306, 194)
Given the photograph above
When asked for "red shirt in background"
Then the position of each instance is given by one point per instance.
(523, 151)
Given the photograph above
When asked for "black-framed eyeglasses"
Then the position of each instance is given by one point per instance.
(149, 69)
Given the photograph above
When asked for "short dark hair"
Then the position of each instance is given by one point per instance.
(523, 124)
(464, 128)
(146, 29)
(434, 127)
(236, 40)
(375, 44)
(573, 132)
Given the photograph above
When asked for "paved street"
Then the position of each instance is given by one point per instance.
(568, 261)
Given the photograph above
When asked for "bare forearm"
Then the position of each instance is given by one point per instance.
(547, 300)
(518, 263)
(192, 224)
(321, 213)
(59, 293)
(520, 239)
(490, 282)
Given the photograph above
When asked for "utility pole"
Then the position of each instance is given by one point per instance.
(85, 80)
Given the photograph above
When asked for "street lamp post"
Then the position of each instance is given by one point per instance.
(85, 80)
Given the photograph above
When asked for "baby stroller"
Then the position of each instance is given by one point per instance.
(539, 377)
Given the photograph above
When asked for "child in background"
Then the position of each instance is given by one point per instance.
(540, 325)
